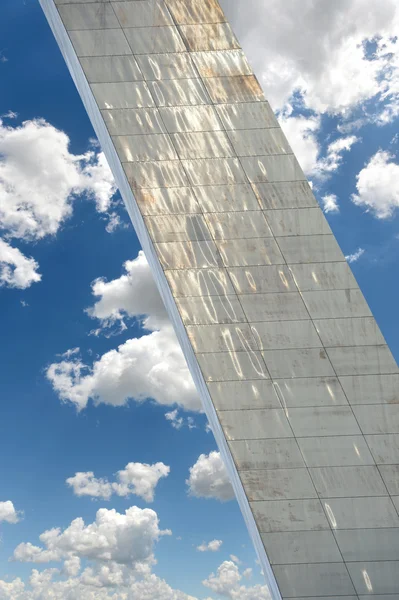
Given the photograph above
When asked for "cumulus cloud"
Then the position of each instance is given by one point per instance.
(126, 539)
(16, 269)
(301, 133)
(319, 65)
(330, 203)
(136, 478)
(8, 514)
(105, 583)
(333, 159)
(133, 294)
(209, 479)
(227, 583)
(377, 186)
(40, 178)
(149, 367)
(39, 181)
(212, 546)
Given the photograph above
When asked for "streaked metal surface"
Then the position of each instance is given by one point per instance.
(296, 379)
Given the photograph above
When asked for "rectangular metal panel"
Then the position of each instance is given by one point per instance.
(151, 40)
(142, 13)
(88, 16)
(111, 69)
(130, 121)
(209, 36)
(344, 450)
(99, 42)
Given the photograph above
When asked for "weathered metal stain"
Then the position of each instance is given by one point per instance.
(191, 11)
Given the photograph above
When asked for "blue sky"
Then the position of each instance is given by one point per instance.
(72, 231)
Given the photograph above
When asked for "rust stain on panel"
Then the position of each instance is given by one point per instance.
(189, 12)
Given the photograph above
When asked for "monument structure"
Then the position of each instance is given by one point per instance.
(295, 376)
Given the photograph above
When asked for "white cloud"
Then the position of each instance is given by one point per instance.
(136, 478)
(355, 256)
(226, 582)
(208, 478)
(235, 559)
(149, 367)
(126, 539)
(16, 270)
(247, 573)
(212, 546)
(8, 513)
(174, 419)
(332, 53)
(330, 203)
(333, 159)
(378, 186)
(301, 133)
(110, 582)
(40, 178)
(133, 294)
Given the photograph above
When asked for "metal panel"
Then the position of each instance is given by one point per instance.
(88, 16)
(362, 360)
(309, 362)
(274, 307)
(302, 221)
(342, 450)
(371, 389)
(190, 118)
(323, 276)
(180, 255)
(375, 577)
(111, 69)
(250, 252)
(281, 168)
(285, 194)
(227, 198)
(151, 40)
(166, 66)
(238, 225)
(178, 92)
(361, 513)
(255, 424)
(130, 121)
(142, 13)
(310, 249)
(99, 42)
(208, 282)
(122, 95)
(210, 36)
(259, 142)
(191, 11)
(166, 173)
(243, 88)
(315, 391)
(323, 420)
(241, 395)
(214, 171)
(336, 303)
(302, 547)
(361, 331)
(289, 515)
(266, 454)
(309, 580)
(287, 484)
(177, 228)
(141, 148)
(368, 544)
(164, 201)
(221, 63)
(260, 280)
(283, 334)
(207, 310)
(232, 366)
(247, 115)
(221, 338)
(210, 144)
(377, 418)
(384, 448)
(344, 482)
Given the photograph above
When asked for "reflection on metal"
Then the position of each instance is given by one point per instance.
(298, 384)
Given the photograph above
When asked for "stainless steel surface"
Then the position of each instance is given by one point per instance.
(296, 379)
